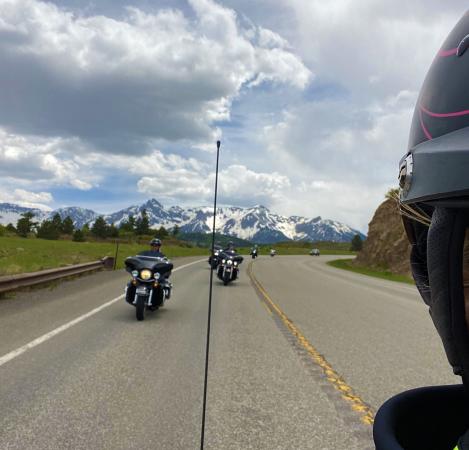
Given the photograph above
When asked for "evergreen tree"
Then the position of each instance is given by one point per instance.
(25, 225)
(357, 243)
(11, 228)
(162, 232)
(57, 221)
(79, 236)
(3, 230)
(142, 225)
(100, 228)
(175, 230)
(113, 231)
(67, 226)
(128, 225)
(48, 230)
(85, 229)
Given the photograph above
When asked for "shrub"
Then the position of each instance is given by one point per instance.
(78, 236)
(357, 243)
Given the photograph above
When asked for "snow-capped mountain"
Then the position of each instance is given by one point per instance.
(80, 216)
(10, 213)
(257, 224)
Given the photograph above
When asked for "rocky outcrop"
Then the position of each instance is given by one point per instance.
(386, 247)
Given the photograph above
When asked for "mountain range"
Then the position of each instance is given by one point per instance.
(256, 224)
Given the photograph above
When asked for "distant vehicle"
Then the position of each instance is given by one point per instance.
(254, 252)
(150, 285)
(228, 268)
(273, 252)
(214, 259)
(315, 252)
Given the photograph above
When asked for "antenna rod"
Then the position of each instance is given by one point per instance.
(207, 348)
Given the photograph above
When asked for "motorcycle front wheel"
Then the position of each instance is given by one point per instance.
(140, 307)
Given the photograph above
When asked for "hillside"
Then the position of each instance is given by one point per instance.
(386, 247)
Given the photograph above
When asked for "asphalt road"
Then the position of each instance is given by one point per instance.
(110, 382)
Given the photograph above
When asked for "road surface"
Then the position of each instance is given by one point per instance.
(74, 376)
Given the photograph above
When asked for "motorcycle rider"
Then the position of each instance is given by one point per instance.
(155, 252)
(155, 247)
(434, 196)
(230, 247)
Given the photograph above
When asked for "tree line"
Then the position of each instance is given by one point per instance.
(56, 227)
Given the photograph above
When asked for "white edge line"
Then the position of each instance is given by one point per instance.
(45, 337)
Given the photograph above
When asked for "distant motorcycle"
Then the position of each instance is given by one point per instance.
(149, 287)
(214, 260)
(273, 252)
(315, 252)
(228, 268)
(254, 254)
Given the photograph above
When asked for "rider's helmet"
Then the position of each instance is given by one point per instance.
(434, 193)
(155, 242)
(434, 201)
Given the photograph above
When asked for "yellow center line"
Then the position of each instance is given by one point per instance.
(353, 400)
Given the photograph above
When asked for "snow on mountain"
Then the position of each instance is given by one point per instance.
(257, 224)
(10, 213)
(80, 216)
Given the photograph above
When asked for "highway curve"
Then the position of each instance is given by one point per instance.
(110, 382)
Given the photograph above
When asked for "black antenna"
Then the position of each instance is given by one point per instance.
(207, 348)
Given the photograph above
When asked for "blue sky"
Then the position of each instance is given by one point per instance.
(108, 103)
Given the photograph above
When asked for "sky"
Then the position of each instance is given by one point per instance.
(107, 104)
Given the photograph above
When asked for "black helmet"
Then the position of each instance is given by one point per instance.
(434, 191)
(155, 242)
(436, 165)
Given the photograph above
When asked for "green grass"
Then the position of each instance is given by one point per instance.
(384, 274)
(19, 255)
(303, 248)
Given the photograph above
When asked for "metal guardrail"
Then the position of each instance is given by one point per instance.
(12, 282)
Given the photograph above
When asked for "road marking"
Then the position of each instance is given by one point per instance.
(45, 337)
(354, 401)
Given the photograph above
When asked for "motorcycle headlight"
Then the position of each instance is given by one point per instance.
(134, 273)
(223, 261)
(230, 262)
(145, 274)
(235, 263)
(157, 276)
(216, 253)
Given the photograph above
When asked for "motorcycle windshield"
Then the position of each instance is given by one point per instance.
(233, 256)
(148, 262)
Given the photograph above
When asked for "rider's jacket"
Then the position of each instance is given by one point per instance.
(152, 253)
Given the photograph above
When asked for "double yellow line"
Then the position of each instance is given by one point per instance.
(353, 400)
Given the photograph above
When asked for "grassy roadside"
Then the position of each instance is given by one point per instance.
(385, 275)
(303, 248)
(19, 255)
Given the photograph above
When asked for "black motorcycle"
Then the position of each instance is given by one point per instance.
(254, 253)
(228, 268)
(150, 286)
(214, 259)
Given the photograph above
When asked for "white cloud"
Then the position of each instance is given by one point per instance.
(41, 162)
(340, 158)
(118, 82)
(373, 48)
(28, 199)
(174, 179)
